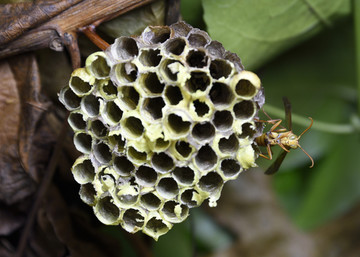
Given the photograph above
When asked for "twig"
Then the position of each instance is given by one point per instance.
(89, 31)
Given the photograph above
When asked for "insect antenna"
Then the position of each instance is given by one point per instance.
(312, 121)
(312, 161)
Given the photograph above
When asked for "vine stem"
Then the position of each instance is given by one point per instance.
(318, 125)
(356, 11)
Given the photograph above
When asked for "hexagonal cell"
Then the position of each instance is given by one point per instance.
(69, 99)
(117, 142)
(203, 132)
(107, 181)
(133, 220)
(198, 38)
(146, 176)
(167, 188)
(128, 195)
(230, 167)
(220, 68)
(79, 86)
(76, 121)
(221, 95)
(156, 34)
(175, 46)
(245, 88)
(206, 158)
(174, 211)
(187, 197)
(150, 201)
(126, 72)
(108, 90)
(152, 83)
(223, 120)
(211, 182)
(156, 227)
(178, 125)
(112, 113)
(247, 130)
(102, 153)
(83, 171)
(201, 108)
(184, 175)
(244, 110)
(82, 142)
(87, 194)
(133, 126)
(161, 144)
(107, 212)
(123, 166)
(162, 162)
(129, 96)
(154, 107)
(198, 81)
(97, 67)
(229, 145)
(197, 59)
(136, 156)
(173, 95)
(216, 49)
(170, 70)
(90, 104)
(150, 57)
(183, 148)
(98, 129)
(126, 48)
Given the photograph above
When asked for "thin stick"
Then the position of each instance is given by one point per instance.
(89, 31)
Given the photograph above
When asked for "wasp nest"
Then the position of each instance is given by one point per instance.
(163, 121)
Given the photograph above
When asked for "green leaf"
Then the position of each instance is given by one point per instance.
(258, 30)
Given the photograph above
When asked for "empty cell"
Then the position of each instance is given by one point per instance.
(109, 89)
(223, 120)
(245, 88)
(230, 167)
(133, 218)
(215, 48)
(211, 182)
(160, 143)
(173, 94)
(113, 112)
(150, 58)
(123, 166)
(197, 59)
(87, 194)
(102, 153)
(156, 227)
(117, 142)
(79, 86)
(134, 126)
(167, 188)
(76, 121)
(206, 158)
(99, 67)
(183, 148)
(201, 108)
(247, 130)
(84, 172)
(219, 69)
(126, 72)
(70, 100)
(129, 96)
(162, 162)
(184, 175)
(203, 131)
(98, 128)
(136, 156)
(175, 46)
(169, 209)
(177, 124)
(152, 83)
(229, 145)
(169, 69)
(150, 201)
(198, 81)
(146, 176)
(106, 211)
(245, 109)
(156, 34)
(126, 48)
(130, 198)
(91, 105)
(187, 197)
(221, 94)
(154, 107)
(198, 39)
(82, 142)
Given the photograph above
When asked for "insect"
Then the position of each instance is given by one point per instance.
(282, 137)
